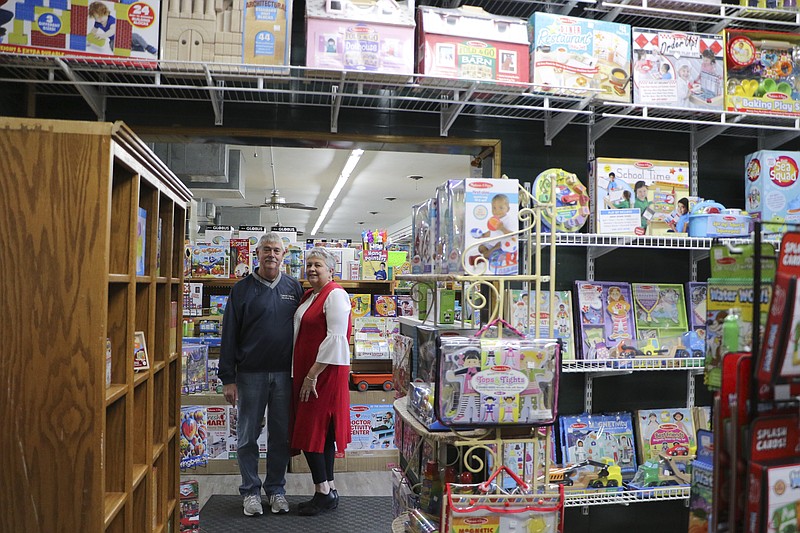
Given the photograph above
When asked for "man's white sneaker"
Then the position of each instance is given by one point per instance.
(252, 505)
(278, 504)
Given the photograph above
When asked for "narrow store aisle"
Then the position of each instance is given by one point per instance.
(347, 483)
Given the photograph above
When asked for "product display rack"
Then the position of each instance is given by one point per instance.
(84, 454)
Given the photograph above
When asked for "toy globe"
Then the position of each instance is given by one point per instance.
(571, 200)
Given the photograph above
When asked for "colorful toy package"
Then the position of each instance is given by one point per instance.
(701, 495)
(598, 436)
(490, 240)
(605, 317)
(572, 200)
(570, 55)
(423, 237)
(696, 306)
(522, 315)
(366, 36)
(637, 197)
(196, 368)
(489, 382)
(470, 43)
(668, 432)
(210, 260)
(193, 437)
(772, 189)
(450, 235)
(678, 69)
(761, 72)
(267, 29)
(660, 310)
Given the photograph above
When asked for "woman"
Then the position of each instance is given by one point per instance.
(320, 371)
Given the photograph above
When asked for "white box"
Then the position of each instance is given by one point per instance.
(772, 191)
(491, 209)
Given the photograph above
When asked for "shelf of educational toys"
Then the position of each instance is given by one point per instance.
(93, 343)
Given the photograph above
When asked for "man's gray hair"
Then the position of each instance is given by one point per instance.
(270, 238)
(325, 255)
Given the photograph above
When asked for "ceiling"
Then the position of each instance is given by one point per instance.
(307, 175)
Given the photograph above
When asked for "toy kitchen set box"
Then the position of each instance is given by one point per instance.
(678, 69)
(573, 56)
(761, 72)
(81, 28)
(360, 35)
(470, 43)
(772, 188)
(638, 196)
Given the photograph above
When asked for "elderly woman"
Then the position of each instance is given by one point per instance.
(321, 370)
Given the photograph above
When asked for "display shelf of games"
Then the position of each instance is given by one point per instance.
(114, 362)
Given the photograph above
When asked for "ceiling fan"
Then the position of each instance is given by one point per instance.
(275, 200)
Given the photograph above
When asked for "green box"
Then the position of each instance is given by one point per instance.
(447, 306)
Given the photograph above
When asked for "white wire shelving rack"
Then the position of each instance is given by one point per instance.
(625, 497)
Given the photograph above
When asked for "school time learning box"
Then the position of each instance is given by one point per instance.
(126, 30)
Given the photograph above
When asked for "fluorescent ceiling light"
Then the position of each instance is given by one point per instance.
(352, 161)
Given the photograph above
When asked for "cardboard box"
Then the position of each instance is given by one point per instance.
(772, 189)
(491, 212)
(369, 36)
(470, 43)
(126, 31)
(298, 464)
(569, 55)
(267, 28)
(678, 69)
(760, 72)
(446, 304)
(637, 196)
(372, 463)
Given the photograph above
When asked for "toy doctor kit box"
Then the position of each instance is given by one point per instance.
(369, 36)
(639, 196)
(570, 55)
(491, 223)
(470, 43)
(126, 30)
(678, 69)
(772, 189)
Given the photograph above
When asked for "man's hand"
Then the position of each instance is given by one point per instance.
(231, 393)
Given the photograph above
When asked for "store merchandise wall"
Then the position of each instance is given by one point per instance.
(524, 155)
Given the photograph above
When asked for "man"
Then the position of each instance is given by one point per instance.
(255, 368)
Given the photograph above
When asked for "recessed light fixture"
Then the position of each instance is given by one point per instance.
(373, 212)
(415, 177)
(390, 198)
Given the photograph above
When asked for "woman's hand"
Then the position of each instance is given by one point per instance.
(308, 388)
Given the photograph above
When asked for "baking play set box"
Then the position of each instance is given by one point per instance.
(470, 43)
(361, 35)
(772, 189)
(678, 69)
(125, 30)
(640, 196)
(572, 56)
(761, 72)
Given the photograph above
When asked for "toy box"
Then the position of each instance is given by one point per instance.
(605, 317)
(660, 310)
(678, 69)
(668, 432)
(196, 368)
(761, 72)
(696, 306)
(423, 236)
(369, 36)
(82, 28)
(240, 254)
(370, 340)
(663, 473)
(217, 431)
(470, 43)
(371, 428)
(491, 223)
(634, 197)
(217, 304)
(450, 235)
(210, 260)
(492, 382)
(571, 200)
(405, 305)
(193, 437)
(360, 305)
(267, 29)
(384, 305)
(218, 234)
(522, 315)
(446, 306)
(701, 495)
(711, 219)
(569, 55)
(595, 437)
(772, 189)
(189, 491)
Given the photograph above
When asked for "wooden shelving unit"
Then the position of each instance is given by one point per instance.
(82, 455)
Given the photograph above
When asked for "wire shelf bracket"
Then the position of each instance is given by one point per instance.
(336, 105)
(216, 94)
(554, 125)
(450, 111)
(94, 97)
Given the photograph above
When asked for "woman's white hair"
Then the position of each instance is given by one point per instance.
(325, 255)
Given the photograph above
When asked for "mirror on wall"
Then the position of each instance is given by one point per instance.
(324, 188)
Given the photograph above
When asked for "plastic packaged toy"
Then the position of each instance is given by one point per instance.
(605, 311)
(572, 200)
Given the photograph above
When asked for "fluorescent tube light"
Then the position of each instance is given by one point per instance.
(352, 161)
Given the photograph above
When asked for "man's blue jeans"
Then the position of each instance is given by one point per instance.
(256, 391)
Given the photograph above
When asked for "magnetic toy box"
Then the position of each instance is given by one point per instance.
(470, 43)
(597, 436)
(678, 69)
(570, 55)
(772, 189)
(638, 196)
(126, 30)
(762, 72)
(368, 36)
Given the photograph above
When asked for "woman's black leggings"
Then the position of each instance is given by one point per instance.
(321, 464)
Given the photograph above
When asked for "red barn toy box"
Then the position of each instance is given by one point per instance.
(470, 43)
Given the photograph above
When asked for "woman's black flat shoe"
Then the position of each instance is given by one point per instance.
(319, 503)
(336, 498)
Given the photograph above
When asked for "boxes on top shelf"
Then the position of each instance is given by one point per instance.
(267, 29)
(761, 72)
(360, 35)
(570, 55)
(470, 43)
(678, 69)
